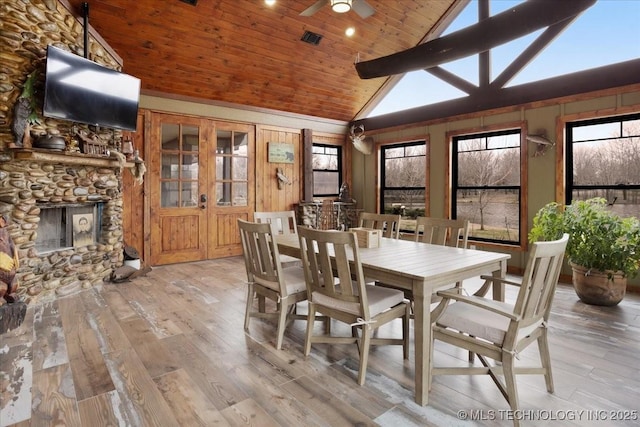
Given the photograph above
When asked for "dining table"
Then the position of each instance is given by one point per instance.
(423, 269)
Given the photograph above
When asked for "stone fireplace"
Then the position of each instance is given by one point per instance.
(33, 182)
(43, 191)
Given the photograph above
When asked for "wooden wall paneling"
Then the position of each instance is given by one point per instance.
(133, 195)
(145, 151)
(347, 151)
(268, 196)
(307, 164)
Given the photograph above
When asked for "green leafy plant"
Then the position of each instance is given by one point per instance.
(598, 238)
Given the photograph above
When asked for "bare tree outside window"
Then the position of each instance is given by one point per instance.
(404, 170)
(327, 173)
(603, 160)
(486, 184)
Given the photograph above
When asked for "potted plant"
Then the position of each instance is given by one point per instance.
(603, 248)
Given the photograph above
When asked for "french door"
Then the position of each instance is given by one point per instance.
(200, 183)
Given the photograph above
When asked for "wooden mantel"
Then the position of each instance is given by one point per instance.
(69, 158)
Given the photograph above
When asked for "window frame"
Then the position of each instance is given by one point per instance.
(382, 169)
(339, 170)
(230, 182)
(569, 126)
(452, 187)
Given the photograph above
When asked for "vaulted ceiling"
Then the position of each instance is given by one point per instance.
(244, 52)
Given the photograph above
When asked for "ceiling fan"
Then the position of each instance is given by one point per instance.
(361, 7)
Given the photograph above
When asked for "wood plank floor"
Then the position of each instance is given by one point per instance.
(169, 349)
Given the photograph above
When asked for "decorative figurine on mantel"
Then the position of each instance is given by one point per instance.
(344, 195)
(24, 114)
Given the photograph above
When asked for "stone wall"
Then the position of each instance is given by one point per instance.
(27, 27)
(27, 184)
(344, 215)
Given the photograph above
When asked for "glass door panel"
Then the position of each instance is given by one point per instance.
(180, 168)
(232, 168)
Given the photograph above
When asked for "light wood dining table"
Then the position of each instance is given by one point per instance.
(423, 269)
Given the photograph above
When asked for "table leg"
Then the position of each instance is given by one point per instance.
(422, 339)
(498, 287)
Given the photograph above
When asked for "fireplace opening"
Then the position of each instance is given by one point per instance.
(68, 226)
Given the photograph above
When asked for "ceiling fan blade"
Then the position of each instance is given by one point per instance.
(362, 8)
(516, 22)
(314, 8)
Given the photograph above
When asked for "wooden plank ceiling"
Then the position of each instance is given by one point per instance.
(244, 52)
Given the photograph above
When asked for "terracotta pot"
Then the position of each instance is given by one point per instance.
(598, 287)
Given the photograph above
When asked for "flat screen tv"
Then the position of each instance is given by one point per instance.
(79, 90)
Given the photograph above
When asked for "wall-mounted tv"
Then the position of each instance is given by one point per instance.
(80, 90)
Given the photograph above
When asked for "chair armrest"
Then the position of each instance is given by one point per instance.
(489, 280)
(498, 279)
(480, 302)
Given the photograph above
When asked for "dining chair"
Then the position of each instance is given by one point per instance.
(284, 223)
(337, 289)
(267, 278)
(388, 223)
(442, 231)
(501, 330)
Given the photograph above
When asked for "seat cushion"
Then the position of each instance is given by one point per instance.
(289, 261)
(481, 323)
(379, 298)
(294, 279)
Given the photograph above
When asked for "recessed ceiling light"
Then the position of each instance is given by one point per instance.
(350, 31)
(269, 2)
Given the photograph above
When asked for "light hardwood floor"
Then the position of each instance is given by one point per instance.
(169, 349)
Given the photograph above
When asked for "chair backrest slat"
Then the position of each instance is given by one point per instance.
(330, 255)
(261, 255)
(388, 223)
(283, 221)
(442, 231)
(540, 279)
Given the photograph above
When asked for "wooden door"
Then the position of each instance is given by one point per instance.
(178, 174)
(232, 182)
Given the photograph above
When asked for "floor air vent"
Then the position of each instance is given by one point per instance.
(311, 38)
(191, 2)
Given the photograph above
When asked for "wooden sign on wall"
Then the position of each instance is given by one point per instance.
(280, 152)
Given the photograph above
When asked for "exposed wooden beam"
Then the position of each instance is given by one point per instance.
(452, 79)
(509, 25)
(607, 77)
(531, 52)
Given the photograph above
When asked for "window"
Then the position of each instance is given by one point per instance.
(486, 177)
(232, 168)
(603, 160)
(179, 157)
(403, 181)
(327, 170)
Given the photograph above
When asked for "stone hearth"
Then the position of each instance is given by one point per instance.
(31, 179)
